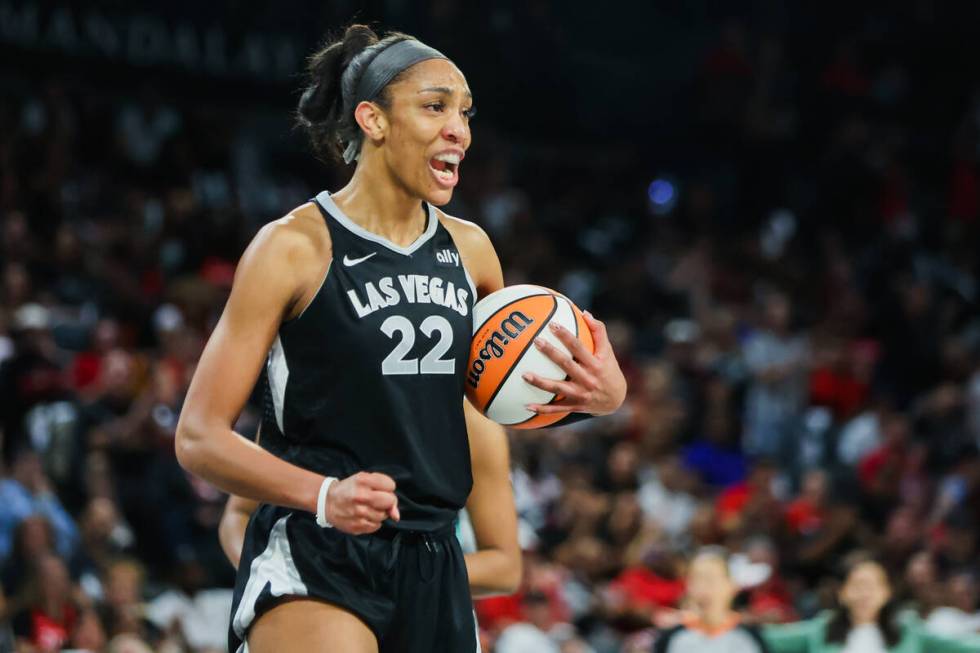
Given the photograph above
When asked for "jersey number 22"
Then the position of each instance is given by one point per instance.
(432, 362)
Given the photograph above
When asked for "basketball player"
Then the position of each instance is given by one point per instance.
(361, 303)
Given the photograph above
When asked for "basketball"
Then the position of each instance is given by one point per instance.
(505, 324)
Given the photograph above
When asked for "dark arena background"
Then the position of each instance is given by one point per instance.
(775, 207)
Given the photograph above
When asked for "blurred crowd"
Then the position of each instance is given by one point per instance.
(794, 301)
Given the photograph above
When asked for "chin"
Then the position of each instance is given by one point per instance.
(439, 196)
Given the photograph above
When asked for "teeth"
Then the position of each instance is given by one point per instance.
(448, 158)
(445, 174)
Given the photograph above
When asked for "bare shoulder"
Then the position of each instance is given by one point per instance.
(297, 236)
(466, 234)
(477, 251)
(288, 256)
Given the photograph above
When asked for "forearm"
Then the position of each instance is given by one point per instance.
(492, 572)
(231, 534)
(241, 467)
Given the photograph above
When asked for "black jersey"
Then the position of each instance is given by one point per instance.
(370, 376)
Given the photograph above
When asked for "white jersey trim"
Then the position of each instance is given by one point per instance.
(278, 378)
(327, 203)
(273, 567)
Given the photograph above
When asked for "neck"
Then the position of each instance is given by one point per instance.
(714, 617)
(52, 607)
(376, 201)
(863, 619)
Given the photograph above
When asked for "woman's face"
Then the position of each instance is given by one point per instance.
(709, 586)
(428, 129)
(865, 592)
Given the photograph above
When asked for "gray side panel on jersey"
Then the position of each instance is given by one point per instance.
(464, 532)
(273, 567)
(469, 280)
(476, 624)
(278, 377)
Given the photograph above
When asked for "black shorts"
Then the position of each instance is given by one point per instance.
(409, 587)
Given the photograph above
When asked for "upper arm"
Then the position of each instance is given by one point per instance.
(788, 638)
(478, 254)
(932, 643)
(491, 501)
(270, 279)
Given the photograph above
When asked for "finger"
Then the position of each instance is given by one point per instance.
(567, 363)
(363, 526)
(552, 386)
(370, 514)
(571, 341)
(557, 407)
(380, 500)
(599, 336)
(394, 512)
(558, 357)
(378, 481)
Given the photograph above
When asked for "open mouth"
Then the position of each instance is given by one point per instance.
(445, 168)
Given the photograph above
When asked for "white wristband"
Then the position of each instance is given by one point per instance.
(321, 503)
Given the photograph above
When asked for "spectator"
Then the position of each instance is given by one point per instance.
(769, 601)
(50, 616)
(532, 635)
(123, 608)
(958, 616)
(711, 625)
(28, 492)
(864, 622)
(777, 359)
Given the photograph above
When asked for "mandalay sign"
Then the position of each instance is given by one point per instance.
(149, 40)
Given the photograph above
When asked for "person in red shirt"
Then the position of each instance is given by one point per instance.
(50, 616)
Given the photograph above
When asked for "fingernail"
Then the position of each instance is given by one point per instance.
(555, 327)
(539, 343)
(588, 313)
(531, 408)
(526, 376)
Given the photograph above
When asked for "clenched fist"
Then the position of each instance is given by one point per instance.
(359, 503)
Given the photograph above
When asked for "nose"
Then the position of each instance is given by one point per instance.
(456, 130)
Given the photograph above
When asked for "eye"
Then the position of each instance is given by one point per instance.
(436, 106)
(470, 113)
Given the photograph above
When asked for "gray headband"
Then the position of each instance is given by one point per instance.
(385, 66)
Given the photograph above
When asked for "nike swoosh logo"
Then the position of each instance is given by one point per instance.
(351, 262)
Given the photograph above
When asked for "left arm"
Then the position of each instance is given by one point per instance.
(495, 568)
(928, 642)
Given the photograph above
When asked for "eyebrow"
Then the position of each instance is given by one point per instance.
(444, 89)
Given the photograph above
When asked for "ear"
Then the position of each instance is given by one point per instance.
(371, 119)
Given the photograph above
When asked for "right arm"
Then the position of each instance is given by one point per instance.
(793, 637)
(273, 277)
(264, 290)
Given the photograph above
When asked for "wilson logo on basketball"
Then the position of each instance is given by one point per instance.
(510, 328)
